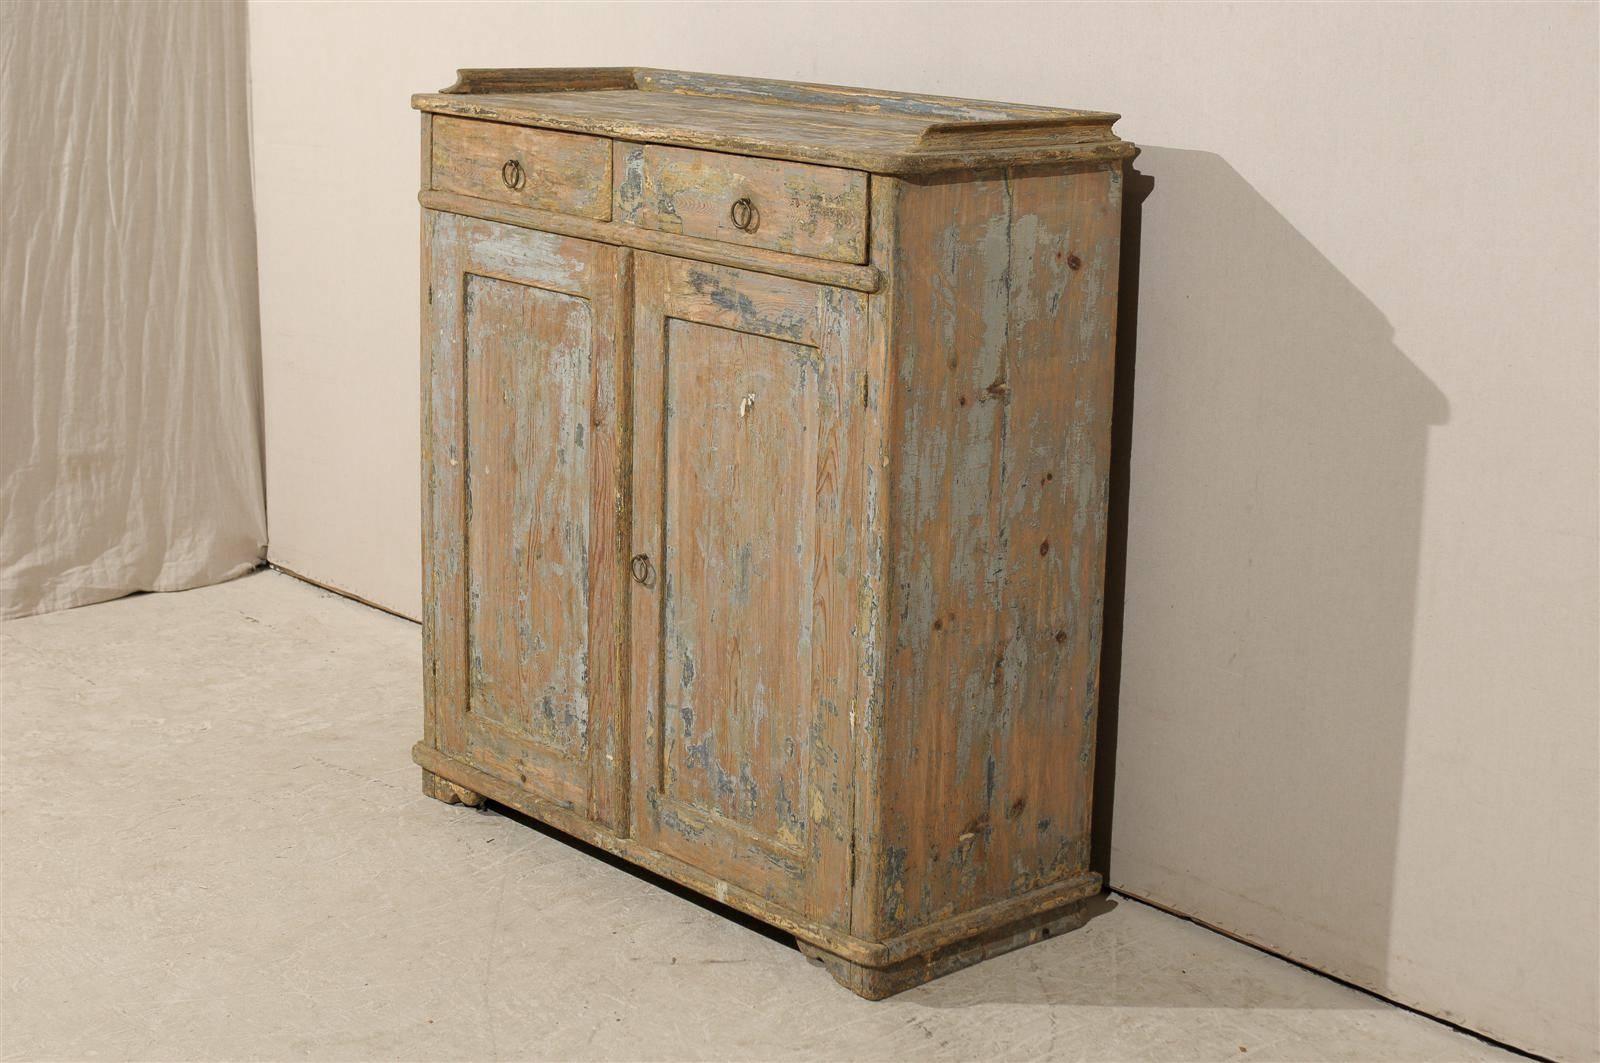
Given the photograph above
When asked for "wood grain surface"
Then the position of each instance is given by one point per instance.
(861, 278)
(772, 560)
(521, 562)
(1004, 289)
(741, 639)
(864, 129)
(560, 172)
(819, 211)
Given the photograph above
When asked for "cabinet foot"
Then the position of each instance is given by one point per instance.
(441, 789)
(876, 983)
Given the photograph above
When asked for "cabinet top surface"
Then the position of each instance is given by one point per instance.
(867, 129)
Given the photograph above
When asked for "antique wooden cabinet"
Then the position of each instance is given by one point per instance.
(765, 461)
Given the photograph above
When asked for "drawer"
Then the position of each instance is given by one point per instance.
(818, 211)
(564, 172)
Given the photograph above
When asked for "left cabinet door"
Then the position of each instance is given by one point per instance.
(521, 620)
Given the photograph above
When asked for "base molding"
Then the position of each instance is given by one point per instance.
(873, 969)
(876, 983)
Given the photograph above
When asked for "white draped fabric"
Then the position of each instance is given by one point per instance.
(130, 395)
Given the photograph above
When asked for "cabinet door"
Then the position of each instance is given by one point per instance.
(746, 482)
(521, 572)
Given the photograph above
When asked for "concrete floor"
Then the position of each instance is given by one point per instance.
(214, 846)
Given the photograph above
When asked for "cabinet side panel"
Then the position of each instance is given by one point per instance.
(1054, 490)
(1005, 293)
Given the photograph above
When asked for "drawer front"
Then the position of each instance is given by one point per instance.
(818, 211)
(564, 172)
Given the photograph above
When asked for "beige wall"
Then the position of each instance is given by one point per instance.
(1357, 710)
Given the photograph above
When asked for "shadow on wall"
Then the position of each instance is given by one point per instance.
(1268, 458)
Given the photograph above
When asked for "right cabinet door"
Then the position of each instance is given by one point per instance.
(747, 454)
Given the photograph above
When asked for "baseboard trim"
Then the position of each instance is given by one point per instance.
(1357, 986)
(340, 591)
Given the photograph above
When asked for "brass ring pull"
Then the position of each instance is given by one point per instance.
(642, 569)
(511, 173)
(744, 215)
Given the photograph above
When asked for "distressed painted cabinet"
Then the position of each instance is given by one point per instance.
(766, 431)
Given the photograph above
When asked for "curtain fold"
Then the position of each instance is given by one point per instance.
(130, 383)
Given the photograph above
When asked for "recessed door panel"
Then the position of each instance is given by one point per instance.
(742, 422)
(529, 374)
(745, 577)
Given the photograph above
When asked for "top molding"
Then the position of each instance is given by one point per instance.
(865, 129)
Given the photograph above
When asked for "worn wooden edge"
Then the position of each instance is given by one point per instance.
(541, 79)
(883, 195)
(623, 528)
(427, 150)
(930, 938)
(861, 278)
(444, 649)
(982, 160)
(430, 700)
(943, 147)
(949, 111)
(1095, 122)
(854, 98)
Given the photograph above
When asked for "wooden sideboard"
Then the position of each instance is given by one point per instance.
(766, 432)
